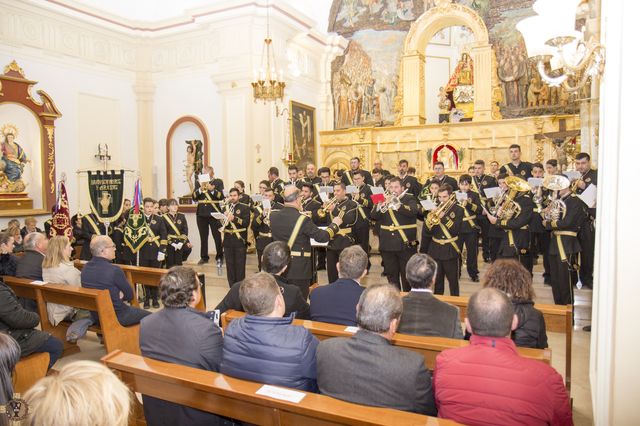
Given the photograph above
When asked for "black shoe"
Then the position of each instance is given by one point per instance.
(475, 279)
(155, 303)
(587, 328)
(146, 304)
(321, 268)
(203, 261)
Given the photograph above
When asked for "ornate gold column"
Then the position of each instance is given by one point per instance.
(481, 56)
(412, 83)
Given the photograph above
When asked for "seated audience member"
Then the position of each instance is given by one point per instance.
(264, 347)
(336, 302)
(20, 324)
(100, 273)
(488, 381)
(11, 224)
(57, 268)
(30, 263)
(30, 225)
(82, 393)
(422, 313)
(180, 334)
(512, 278)
(367, 369)
(275, 260)
(8, 262)
(18, 246)
(9, 357)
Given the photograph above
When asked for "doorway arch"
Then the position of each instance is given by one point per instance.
(412, 79)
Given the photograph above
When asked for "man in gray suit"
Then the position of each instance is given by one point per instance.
(422, 313)
(367, 369)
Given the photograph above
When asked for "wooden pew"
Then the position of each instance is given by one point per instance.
(237, 399)
(428, 347)
(143, 275)
(557, 318)
(29, 370)
(115, 335)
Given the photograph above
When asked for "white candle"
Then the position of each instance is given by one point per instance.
(398, 145)
(378, 142)
(493, 137)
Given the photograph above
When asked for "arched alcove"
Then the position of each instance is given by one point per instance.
(445, 14)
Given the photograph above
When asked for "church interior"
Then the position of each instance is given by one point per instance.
(106, 101)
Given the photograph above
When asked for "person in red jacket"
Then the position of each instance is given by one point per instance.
(488, 382)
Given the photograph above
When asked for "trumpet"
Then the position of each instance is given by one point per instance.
(391, 201)
(433, 217)
(330, 205)
(574, 184)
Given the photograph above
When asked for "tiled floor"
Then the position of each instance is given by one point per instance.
(217, 287)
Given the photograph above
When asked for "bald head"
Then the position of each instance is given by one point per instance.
(290, 194)
(490, 313)
(102, 246)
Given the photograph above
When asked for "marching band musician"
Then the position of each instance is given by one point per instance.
(325, 181)
(261, 224)
(292, 170)
(539, 234)
(178, 245)
(363, 199)
(378, 177)
(516, 167)
(515, 241)
(346, 209)
(441, 177)
(153, 252)
(310, 206)
(244, 197)
(479, 182)
(587, 231)
(397, 218)
(469, 229)
(276, 183)
(91, 227)
(347, 177)
(406, 180)
(290, 225)
(428, 192)
(494, 231)
(564, 246)
(377, 164)
(238, 217)
(209, 196)
(310, 174)
(444, 223)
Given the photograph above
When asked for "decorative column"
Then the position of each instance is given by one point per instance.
(412, 83)
(481, 56)
(145, 90)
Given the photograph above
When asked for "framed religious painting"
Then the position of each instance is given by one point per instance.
(27, 145)
(187, 154)
(302, 134)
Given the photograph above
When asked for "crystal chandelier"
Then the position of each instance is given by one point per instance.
(553, 42)
(267, 85)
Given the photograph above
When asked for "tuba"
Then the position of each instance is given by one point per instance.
(506, 205)
(557, 208)
(433, 217)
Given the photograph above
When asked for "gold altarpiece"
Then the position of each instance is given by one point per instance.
(487, 137)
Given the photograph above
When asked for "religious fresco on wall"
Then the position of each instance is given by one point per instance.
(365, 78)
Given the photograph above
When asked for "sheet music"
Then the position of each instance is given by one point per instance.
(492, 192)
(203, 178)
(218, 216)
(573, 174)
(352, 189)
(427, 204)
(375, 190)
(257, 198)
(589, 195)
(535, 182)
(326, 189)
(461, 196)
(225, 192)
(266, 204)
(323, 196)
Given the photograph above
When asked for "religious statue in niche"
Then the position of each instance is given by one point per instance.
(446, 154)
(193, 163)
(12, 161)
(460, 86)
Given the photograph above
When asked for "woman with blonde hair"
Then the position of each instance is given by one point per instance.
(82, 393)
(57, 268)
(513, 279)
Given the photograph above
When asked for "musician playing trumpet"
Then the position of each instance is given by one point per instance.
(363, 199)
(564, 246)
(397, 218)
(261, 224)
(586, 236)
(444, 223)
(236, 225)
(346, 209)
(513, 216)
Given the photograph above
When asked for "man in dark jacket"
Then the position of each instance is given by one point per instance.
(275, 260)
(489, 379)
(336, 302)
(101, 274)
(30, 264)
(422, 313)
(20, 324)
(367, 369)
(180, 334)
(264, 347)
